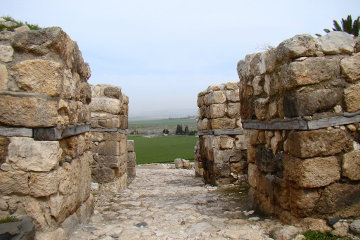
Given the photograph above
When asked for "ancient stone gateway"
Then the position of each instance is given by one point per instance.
(300, 108)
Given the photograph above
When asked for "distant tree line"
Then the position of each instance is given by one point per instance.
(180, 131)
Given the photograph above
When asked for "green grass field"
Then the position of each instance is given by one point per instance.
(163, 149)
(148, 127)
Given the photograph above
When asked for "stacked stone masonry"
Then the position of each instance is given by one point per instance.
(45, 144)
(109, 123)
(300, 110)
(220, 156)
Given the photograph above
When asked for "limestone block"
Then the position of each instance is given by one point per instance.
(103, 174)
(131, 159)
(339, 199)
(112, 92)
(251, 154)
(272, 110)
(110, 148)
(267, 62)
(351, 165)
(312, 70)
(14, 182)
(217, 110)
(275, 140)
(203, 124)
(200, 101)
(215, 97)
(43, 184)
(337, 42)
(253, 175)
(108, 160)
(28, 111)
(249, 67)
(303, 201)
(3, 77)
(301, 103)
(231, 85)
(75, 146)
(226, 142)
(240, 142)
(84, 94)
(102, 104)
(130, 145)
(272, 84)
(221, 162)
(53, 40)
(257, 84)
(297, 46)
(38, 75)
(223, 123)
(261, 108)
(30, 155)
(311, 172)
(123, 122)
(350, 66)
(305, 144)
(233, 110)
(6, 53)
(233, 95)
(352, 98)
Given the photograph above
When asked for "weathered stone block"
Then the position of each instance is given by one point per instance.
(233, 95)
(131, 172)
(300, 103)
(265, 159)
(130, 145)
(131, 159)
(215, 97)
(341, 200)
(336, 42)
(30, 155)
(109, 148)
(303, 201)
(306, 144)
(14, 182)
(4, 143)
(108, 160)
(123, 122)
(28, 111)
(103, 174)
(40, 76)
(102, 104)
(297, 46)
(253, 175)
(240, 142)
(350, 66)
(75, 146)
(6, 53)
(112, 92)
(223, 123)
(226, 142)
(351, 165)
(200, 101)
(43, 184)
(233, 110)
(217, 110)
(267, 62)
(3, 77)
(312, 70)
(261, 108)
(312, 172)
(352, 98)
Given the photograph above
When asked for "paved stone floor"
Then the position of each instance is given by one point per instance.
(167, 203)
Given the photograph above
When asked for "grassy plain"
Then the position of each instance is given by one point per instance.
(155, 127)
(162, 149)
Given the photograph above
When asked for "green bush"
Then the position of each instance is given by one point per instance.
(8, 219)
(317, 235)
(17, 24)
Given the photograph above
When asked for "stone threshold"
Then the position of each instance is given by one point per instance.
(222, 132)
(302, 124)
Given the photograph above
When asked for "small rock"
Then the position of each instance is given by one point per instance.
(22, 29)
(254, 219)
(341, 229)
(178, 163)
(285, 233)
(141, 225)
(332, 221)
(355, 226)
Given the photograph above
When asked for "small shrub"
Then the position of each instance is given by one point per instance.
(17, 24)
(317, 235)
(8, 219)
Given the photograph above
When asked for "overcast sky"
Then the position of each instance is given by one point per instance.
(164, 52)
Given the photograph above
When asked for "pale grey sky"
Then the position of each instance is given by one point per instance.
(163, 52)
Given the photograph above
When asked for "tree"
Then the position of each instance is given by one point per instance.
(347, 25)
(179, 130)
(186, 132)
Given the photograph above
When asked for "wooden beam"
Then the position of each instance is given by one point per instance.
(53, 134)
(16, 132)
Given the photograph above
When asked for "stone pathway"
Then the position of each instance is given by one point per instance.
(167, 203)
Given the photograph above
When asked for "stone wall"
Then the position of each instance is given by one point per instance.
(109, 123)
(221, 154)
(300, 107)
(44, 130)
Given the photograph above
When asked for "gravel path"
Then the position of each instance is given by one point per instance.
(167, 203)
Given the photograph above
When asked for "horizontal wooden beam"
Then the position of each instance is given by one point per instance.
(123, 131)
(218, 132)
(16, 132)
(53, 133)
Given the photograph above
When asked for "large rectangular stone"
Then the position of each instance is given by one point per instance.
(39, 76)
(312, 70)
(108, 148)
(103, 104)
(3, 77)
(351, 165)
(215, 97)
(28, 111)
(303, 201)
(223, 123)
(312, 172)
(352, 98)
(108, 160)
(130, 145)
(14, 182)
(131, 159)
(217, 110)
(44, 184)
(307, 144)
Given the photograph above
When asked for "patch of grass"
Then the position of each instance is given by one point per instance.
(157, 126)
(316, 235)
(8, 219)
(163, 149)
(17, 24)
